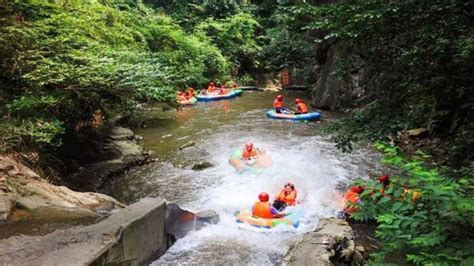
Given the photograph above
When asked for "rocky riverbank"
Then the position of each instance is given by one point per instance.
(121, 149)
(22, 188)
(333, 242)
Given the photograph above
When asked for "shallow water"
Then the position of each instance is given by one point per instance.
(300, 152)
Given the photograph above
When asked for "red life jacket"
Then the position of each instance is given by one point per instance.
(262, 210)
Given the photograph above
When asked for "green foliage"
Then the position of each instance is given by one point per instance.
(433, 228)
(236, 38)
(418, 55)
(63, 60)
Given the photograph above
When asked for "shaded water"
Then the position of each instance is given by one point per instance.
(300, 152)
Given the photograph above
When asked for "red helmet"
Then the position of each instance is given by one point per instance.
(297, 100)
(383, 178)
(357, 189)
(249, 146)
(263, 197)
(280, 97)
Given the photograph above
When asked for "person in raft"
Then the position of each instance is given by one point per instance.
(301, 108)
(286, 197)
(180, 96)
(249, 153)
(223, 90)
(263, 209)
(351, 198)
(279, 105)
(211, 88)
(190, 93)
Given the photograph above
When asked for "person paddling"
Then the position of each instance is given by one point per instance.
(279, 105)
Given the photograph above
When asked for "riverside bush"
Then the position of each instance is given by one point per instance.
(63, 60)
(435, 229)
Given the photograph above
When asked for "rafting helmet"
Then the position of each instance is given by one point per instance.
(249, 146)
(383, 179)
(280, 97)
(263, 197)
(357, 189)
(297, 100)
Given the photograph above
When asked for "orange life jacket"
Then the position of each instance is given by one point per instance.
(223, 91)
(289, 199)
(302, 108)
(262, 210)
(211, 88)
(277, 104)
(190, 93)
(353, 198)
(248, 154)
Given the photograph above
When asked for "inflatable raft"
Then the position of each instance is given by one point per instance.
(303, 117)
(191, 101)
(292, 219)
(217, 97)
(254, 166)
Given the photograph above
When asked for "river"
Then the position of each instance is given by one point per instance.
(300, 152)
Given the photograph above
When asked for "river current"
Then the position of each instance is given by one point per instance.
(300, 152)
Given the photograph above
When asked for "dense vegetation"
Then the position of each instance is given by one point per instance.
(431, 228)
(63, 63)
(419, 52)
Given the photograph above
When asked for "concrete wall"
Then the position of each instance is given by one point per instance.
(142, 234)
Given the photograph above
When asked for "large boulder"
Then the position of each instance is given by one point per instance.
(22, 188)
(331, 242)
(339, 91)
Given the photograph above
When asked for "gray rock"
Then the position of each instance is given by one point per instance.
(336, 93)
(133, 236)
(6, 205)
(187, 145)
(121, 133)
(333, 237)
(207, 216)
(417, 132)
(201, 166)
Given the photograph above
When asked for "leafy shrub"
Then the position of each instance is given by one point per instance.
(61, 61)
(434, 229)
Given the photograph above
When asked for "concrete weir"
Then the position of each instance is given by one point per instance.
(133, 236)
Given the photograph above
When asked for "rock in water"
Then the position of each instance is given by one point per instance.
(208, 216)
(417, 132)
(332, 241)
(202, 166)
(187, 145)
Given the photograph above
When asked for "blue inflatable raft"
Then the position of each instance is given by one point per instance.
(216, 97)
(303, 117)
